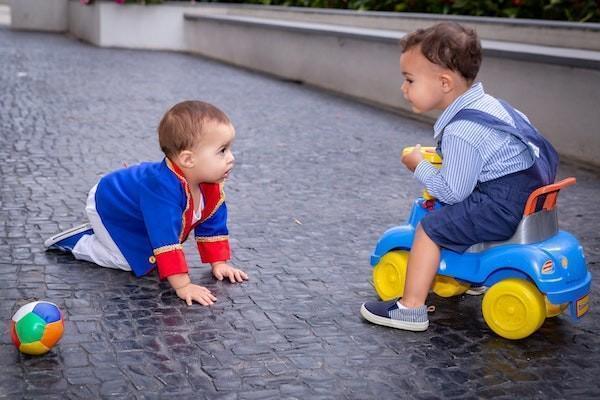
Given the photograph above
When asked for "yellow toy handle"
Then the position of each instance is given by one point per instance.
(430, 155)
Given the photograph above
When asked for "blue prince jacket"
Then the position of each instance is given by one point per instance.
(148, 211)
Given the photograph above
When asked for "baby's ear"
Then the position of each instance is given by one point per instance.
(185, 159)
(446, 82)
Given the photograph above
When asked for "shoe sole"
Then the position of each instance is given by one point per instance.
(393, 323)
(65, 234)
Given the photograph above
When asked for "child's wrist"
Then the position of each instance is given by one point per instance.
(182, 286)
(180, 282)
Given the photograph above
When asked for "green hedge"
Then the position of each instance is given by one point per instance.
(566, 10)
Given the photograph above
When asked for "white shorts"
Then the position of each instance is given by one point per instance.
(99, 248)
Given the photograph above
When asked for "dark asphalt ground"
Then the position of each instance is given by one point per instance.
(318, 179)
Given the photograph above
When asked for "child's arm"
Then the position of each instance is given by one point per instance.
(459, 173)
(212, 239)
(189, 292)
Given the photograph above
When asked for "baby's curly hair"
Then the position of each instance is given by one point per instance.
(449, 45)
(183, 125)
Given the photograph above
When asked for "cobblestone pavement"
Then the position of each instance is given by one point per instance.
(318, 180)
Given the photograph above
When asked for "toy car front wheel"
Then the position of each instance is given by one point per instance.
(514, 308)
(389, 275)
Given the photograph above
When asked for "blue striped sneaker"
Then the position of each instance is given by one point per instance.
(387, 313)
(66, 240)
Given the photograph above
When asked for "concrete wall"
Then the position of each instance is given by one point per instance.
(45, 15)
(557, 88)
(109, 24)
(84, 22)
(4, 13)
(547, 33)
(561, 101)
(340, 51)
(356, 67)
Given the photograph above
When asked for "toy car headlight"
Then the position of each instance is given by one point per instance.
(548, 267)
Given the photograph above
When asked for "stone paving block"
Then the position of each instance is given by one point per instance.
(317, 180)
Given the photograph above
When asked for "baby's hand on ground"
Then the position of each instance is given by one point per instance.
(199, 294)
(223, 270)
(412, 159)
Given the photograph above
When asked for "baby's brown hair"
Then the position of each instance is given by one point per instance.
(183, 125)
(449, 45)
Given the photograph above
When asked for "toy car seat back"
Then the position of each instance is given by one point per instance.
(537, 224)
(550, 192)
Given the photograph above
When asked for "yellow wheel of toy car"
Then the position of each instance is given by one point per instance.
(389, 275)
(514, 308)
(444, 286)
(552, 310)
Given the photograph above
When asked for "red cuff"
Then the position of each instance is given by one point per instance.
(171, 263)
(213, 251)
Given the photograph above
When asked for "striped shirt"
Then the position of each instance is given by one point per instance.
(472, 152)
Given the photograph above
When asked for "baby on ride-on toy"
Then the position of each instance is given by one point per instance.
(493, 159)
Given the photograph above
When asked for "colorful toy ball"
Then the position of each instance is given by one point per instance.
(36, 327)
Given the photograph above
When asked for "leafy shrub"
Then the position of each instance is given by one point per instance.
(566, 10)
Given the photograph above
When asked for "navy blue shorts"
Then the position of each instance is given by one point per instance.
(491, 213)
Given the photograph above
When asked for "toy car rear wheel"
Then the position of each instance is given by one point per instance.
(554, 310)
(445, 286)
(514, 308)
(389, 275)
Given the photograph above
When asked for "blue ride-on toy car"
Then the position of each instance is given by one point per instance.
(538, 273)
